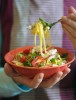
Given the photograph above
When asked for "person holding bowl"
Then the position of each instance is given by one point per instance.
(12, 83)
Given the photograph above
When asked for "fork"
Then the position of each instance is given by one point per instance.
(45, 24)
(52, 24)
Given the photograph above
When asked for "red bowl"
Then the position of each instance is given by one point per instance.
(32, 71)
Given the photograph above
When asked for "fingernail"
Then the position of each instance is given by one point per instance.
(69, 65)
(64, 18)
(5, 64)
(69, 70)
(41, 76)
(59, 74)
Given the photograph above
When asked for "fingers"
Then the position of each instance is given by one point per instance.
(33, 83)
(37, 80)
(67, 31)
(71, 10)
(73, 40)
(68, 21)
(20, 79)
(69, 25)
(68, 65)
(72, 16)
(72, 13)
(70, 30)
(65, 72)
(52, 81)
(10, 71)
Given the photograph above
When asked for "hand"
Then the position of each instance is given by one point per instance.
(69, 25)
(37, 81)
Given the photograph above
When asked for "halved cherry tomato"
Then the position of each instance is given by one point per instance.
(23, 59)
(37, 60)
(26, 51)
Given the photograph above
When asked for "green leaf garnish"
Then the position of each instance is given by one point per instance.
(46, 24)
(27, 63)
(52, 60)
(64, 55)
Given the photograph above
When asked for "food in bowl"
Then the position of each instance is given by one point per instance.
(48, 70)
(33, 58)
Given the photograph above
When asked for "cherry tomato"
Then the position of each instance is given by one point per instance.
(23, 59)
(37, 60)
(26, 51)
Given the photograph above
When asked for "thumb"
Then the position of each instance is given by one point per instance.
(10, 71)
(71, 10)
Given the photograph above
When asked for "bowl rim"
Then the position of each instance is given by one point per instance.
(43, 67)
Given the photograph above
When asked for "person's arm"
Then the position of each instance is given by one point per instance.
(8, 87)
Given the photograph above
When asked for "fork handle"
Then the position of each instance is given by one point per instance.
(55, 22)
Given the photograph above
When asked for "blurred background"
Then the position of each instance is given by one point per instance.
(16, 15)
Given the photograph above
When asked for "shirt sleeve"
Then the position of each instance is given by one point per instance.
(8, 87)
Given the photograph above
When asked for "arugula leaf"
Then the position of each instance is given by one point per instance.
(45, 24)
(52, 60)
(34, 55)
(27, 63)
(64, 55)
